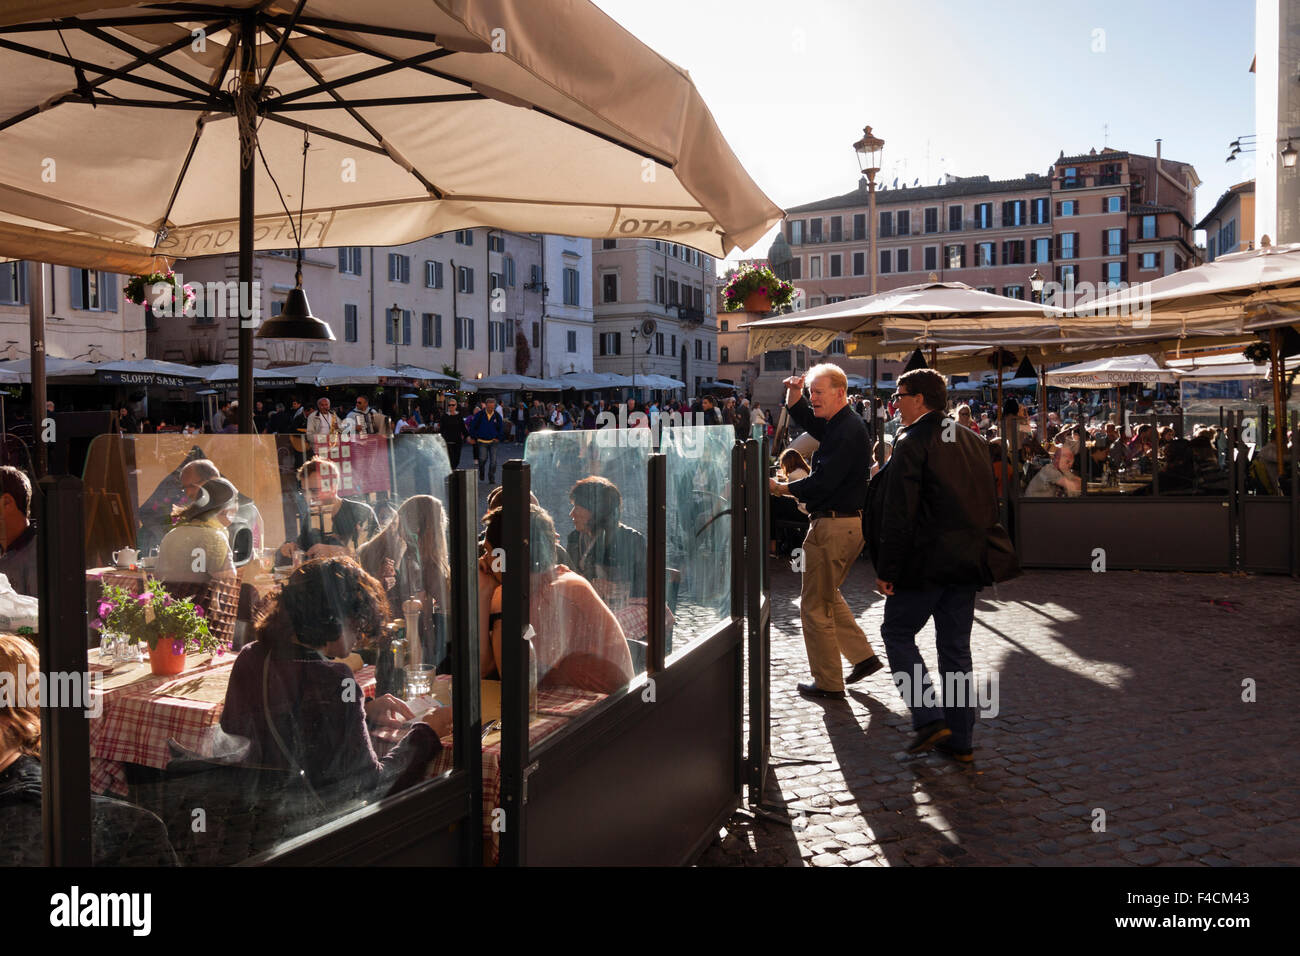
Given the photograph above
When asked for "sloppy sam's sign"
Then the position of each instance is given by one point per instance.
(142, 378)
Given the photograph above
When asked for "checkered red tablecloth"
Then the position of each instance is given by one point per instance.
(555, 708)
(137, 720)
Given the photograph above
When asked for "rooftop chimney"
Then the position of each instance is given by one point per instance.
(1156, 198)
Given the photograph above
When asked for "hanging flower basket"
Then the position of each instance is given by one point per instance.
(162, 292)
(1258, 352)
(755, 288)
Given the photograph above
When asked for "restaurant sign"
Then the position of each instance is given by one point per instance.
(143, 378)
(765, 340)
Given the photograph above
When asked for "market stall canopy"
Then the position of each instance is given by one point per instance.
(661, 382)
(591, 381)
(230, 373)
(54, 368)
(415, 373)
(919, 304)
(324, 374)
(510, 383)
(1111, 373)
(438, 115)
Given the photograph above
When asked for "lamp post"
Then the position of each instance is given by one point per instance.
(1036, 290)
(868, 149)
(634, 362)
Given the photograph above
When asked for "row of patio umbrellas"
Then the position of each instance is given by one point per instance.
(152, 371)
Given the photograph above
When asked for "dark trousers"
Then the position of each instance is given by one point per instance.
(453, 453)
(953, 610)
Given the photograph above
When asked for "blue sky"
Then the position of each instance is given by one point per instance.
(998, 87)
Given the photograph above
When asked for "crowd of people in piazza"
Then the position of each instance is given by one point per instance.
(1119, 446)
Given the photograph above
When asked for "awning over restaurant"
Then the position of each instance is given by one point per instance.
(54, 368)
(511, 383)
(1111, 373)
(147, 372)
(918, 304)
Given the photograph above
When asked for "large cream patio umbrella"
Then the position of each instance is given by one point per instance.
(146, 130)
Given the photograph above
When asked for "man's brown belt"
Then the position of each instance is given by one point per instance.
(835, 514)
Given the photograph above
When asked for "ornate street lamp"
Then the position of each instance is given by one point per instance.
(869, 148)
(1036, 284)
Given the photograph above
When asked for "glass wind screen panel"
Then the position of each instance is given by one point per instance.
(698, 557)
(588, 604)
(308, 582)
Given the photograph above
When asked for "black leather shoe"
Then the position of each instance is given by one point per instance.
(864, 668)
(929, 735)
(954, 753)
(812, 690)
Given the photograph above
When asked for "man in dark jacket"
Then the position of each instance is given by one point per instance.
(486, 430)
(930, 510)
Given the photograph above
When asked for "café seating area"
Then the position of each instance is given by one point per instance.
(523, 693)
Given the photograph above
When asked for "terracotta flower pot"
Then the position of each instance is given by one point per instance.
(163, 658)
(757, 302)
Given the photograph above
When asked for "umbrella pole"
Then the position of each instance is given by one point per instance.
(36, 327)
(247, 133)
(1042, 404)
(1279, 413)
(876, 437)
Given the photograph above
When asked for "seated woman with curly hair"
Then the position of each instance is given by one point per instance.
(301, 710)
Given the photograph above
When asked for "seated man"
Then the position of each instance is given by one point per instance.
(328, 524)
(18, 563)
(1055, 479)
(578, 642)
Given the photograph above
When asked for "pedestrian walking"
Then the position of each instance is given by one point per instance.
(934, 540)
(833, 494)
(486, 430)
(451, 426)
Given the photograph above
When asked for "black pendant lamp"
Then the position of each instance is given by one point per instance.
(915, 361)
(295, 321)
(1026, 369)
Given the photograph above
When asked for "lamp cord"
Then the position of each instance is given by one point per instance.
(297, 229)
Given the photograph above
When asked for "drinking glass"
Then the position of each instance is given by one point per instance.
(419, 681)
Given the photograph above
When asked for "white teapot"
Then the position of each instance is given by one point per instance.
(126, 557)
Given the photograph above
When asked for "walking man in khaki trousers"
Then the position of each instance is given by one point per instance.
(833, 495)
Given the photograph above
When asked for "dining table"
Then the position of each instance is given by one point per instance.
(135, 712)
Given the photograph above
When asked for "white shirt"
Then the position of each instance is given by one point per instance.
(318, 424)
(369, 422)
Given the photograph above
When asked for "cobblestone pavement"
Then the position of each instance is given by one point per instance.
(1119, 692)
